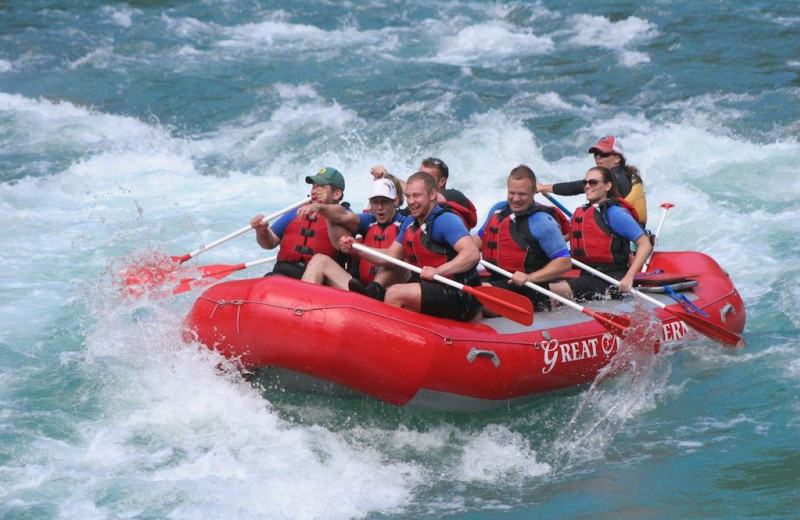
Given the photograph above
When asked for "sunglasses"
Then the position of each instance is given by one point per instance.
(438, 163)
(603, 155)
(590, 182)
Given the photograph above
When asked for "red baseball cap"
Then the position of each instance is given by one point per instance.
(608, 144)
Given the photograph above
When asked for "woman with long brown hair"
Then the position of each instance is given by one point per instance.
(609, 153)
(602, 232)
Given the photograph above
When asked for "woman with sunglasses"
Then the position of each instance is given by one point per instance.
(608, 153)
(602, 232)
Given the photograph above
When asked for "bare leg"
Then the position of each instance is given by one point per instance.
(387, 276)
(323, 269)
(405, 296)
(562, 289)
(313, 272)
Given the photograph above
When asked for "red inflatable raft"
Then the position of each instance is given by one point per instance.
(322, 334)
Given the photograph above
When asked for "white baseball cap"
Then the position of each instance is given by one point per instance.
(382, 188)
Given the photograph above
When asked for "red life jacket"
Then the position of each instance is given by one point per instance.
(561, 218)
(304, 237)
(508, 242)
(378, 237)
(421, 250)
(592, 240)
(462, 206)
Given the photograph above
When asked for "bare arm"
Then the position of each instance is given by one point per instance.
(468, 257)
(395, 250)
(336, 233)
(552, 270)
(265, 237)
(643, 249)
(478, 241)
(544, 188)
(379, 171)
(333, 213)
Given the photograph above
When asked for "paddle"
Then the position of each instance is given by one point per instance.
(666, 207)
(699, 323)
(661, 278)
(204, 248)
(500, 301)
(557, 204)
(208, 273)
(150, 276)
(615, 323)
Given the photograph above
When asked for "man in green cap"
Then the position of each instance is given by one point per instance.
(303, 232)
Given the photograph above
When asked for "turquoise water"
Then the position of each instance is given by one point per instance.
(132, 130)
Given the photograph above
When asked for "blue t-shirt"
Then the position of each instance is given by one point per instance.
(279, 226)
(448, 228)
(623, 223)
(543, 228)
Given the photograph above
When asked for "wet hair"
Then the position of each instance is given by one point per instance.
(633, 171)
(398, 188)
(522, 172)
(613, 193)
(434, 162)
(427, 180)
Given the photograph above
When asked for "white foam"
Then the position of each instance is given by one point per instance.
(269, 31)
(482, 43)
(284, 37)
(599, 31)
(621, 36)
(496, 454)
(165, 428)
(121, 16)
(181, 421)
(55, 128)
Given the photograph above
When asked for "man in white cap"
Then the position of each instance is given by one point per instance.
(609, 153)
(379, 228)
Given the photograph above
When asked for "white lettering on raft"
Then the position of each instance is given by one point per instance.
(674, 331)
(556, 352)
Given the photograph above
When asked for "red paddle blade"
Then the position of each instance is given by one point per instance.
(709, 328)
(208, 274)
(613, 322)
(149, 276)
(661, 278)
(503, 302)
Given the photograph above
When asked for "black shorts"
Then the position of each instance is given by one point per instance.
(540, 301)
(444, 301)
(590, 287)
(290, 269)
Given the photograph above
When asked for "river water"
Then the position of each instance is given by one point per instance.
(146, 128)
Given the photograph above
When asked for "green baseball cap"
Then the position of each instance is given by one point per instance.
(327, 175)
